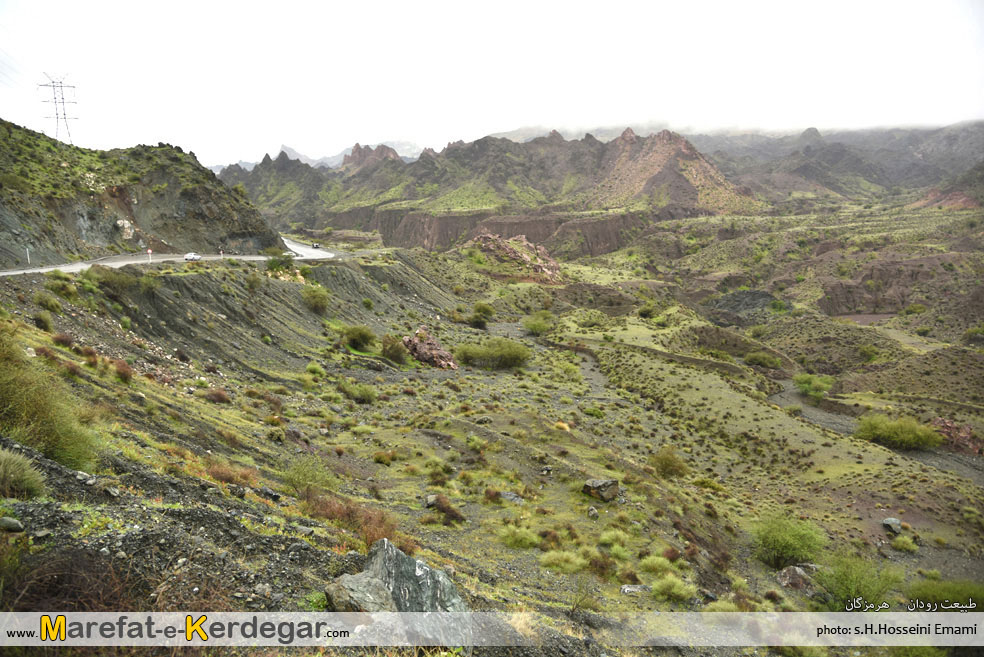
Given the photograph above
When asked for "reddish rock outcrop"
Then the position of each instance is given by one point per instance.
(428, 350)
(365, 155)
(521, 251)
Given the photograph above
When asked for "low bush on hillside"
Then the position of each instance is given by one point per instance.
(48, 302)
(901, 433)
(975, 335)
(813, 386)
(230, 473)
(668, 463)
(37, 409)
(519, 537)
(539, 323)
(308, 476)
(494, 353)
(113, 282)
(358, 337)
(316, 298)
(361, 393)
(563, 561)
(763, 359)
(218, 396)
(671, 588)
(370, 524)
(781, 540)
(18, 477)
(481, 314)
(938, 591)
(123, 371)
(44, 321)
(847, 576)
(393, 349)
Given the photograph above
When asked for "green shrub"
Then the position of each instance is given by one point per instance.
(904, 544)
(367, 303)
(613, 537)
(307, 475)
(563, 561)
(113, 282)
(914, 309)
(656, 565)
(316, 298)
(763, 359)
(539, 323)
(868, 352)
(813, 386)
(903, 433)
(37, 409)
(847, 576)
(44, 321)
(648, 311)
(18, 477)
(125, 323)
(939, 591)
(277, 260)
(253, 281)
(62, 287)
(358, 337)
(481, 314)
(781, 540)
(149, 284)
(393, 349)
(668, 463)
(975, 335)
(672, 588)
(518, 537)
(361, 393)
(48, 302)
(315, 369)
(494, 353)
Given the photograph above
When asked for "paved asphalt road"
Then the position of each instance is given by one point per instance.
(302, 251)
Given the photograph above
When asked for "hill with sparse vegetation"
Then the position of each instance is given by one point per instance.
(64, 201)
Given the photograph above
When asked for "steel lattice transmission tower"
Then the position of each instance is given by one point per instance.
(61, 117)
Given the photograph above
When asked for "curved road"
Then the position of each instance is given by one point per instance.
(302, 252)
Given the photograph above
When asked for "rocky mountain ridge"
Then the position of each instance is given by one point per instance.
(658, 176)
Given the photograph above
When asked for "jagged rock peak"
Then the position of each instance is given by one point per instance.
(811, 134)
(555, 136)
(428, 151)
(266, 159)
(363, 155)
(628, 135)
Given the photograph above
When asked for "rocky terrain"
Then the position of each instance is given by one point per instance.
(564, 414)
(61, 201)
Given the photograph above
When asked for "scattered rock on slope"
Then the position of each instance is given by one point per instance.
(428, 350)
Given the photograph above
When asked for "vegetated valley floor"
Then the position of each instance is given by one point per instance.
(247, 458)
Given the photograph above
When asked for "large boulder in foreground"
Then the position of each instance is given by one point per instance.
(428, 350)
(393, 581)
(603, 489)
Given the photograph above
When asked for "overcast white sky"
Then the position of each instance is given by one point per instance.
(232, 80)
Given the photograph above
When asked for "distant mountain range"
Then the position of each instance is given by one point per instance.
(661, 175)
(845, 163)
(407, 151)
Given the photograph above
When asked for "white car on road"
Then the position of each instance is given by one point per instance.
(192, 257)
